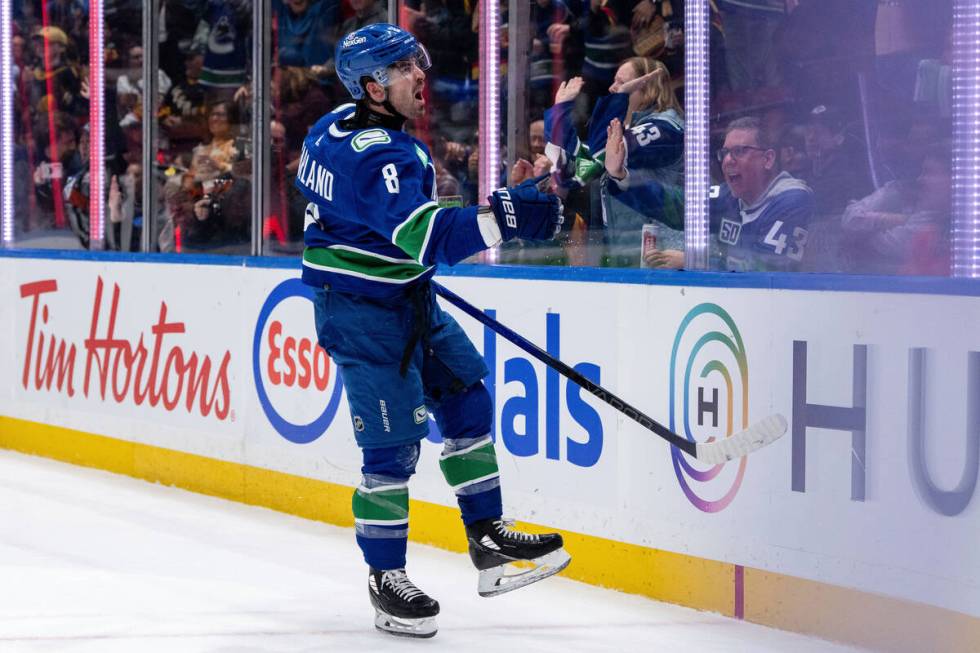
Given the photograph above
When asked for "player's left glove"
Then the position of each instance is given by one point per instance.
(523, 211)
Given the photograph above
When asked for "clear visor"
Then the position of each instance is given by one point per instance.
(406, 67)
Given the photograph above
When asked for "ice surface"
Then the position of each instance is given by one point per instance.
(94, 562)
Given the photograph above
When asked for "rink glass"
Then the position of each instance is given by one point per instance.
(856, 99)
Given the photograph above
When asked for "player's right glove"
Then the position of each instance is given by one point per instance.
(523, 211)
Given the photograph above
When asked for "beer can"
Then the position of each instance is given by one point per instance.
(648, 243)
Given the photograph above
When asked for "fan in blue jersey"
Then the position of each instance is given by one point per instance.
(641, 97)
(374, 233)
(759, 217)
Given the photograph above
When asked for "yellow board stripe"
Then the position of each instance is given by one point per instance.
(854, 616)
(771, 599)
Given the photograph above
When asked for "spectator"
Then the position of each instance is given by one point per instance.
(227, 55)
(792, 152)
(761, 214)
(183, 112)
(223, 150)
(76, 193)
(124, 208)
(71, 16)
(641, 99)
(129, 85)
(18, 49)
(366, 12)
(284, 225)
(551, 60)
(903, 227)
(536, 137)
(123, 16)
(56, 159)
(750, 26)
(218, 180)
(605, 30)
(57, 80)
(305, 31)
(539, 164)
(839, 170)
(132, 131)
(445, 28)
(298, 101)
(179, 35)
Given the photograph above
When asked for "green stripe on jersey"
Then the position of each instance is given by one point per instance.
(421, 154)
(412, 236)
(381, 506)
(363, 264)
(469, 467)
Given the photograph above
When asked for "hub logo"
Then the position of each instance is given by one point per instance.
(298, 385)
(709, 397)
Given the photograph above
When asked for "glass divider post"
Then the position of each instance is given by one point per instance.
(965, 228)
(697, 146)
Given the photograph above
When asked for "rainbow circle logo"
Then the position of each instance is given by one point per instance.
(709, 390)
(317, 364)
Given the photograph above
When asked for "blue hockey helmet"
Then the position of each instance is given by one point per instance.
(373, 51)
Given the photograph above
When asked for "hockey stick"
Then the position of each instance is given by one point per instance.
(737, 445)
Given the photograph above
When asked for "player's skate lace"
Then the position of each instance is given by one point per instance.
(504, 528)
(401, 585)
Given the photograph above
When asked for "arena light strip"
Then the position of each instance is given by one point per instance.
(965, 232)
(697, 145)
(6, 126)
(96, 121)
(489, 98)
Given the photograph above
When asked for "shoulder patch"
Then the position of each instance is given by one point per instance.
(366, 139)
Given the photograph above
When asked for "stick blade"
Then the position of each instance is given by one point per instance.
(760, 434)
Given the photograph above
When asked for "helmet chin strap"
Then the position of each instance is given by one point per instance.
(367, 116)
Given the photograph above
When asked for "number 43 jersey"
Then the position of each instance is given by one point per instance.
(771, 234)
(372, 224)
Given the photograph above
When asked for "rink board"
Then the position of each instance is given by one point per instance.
(204, 375)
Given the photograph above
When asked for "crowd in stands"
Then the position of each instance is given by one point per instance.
(830, 124)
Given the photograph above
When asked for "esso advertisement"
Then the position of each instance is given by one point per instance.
(298, 385)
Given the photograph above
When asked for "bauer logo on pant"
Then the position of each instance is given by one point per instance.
(709, 398)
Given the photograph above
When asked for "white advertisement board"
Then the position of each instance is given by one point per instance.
(871, 489)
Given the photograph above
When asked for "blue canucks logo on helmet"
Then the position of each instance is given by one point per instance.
(369, 51)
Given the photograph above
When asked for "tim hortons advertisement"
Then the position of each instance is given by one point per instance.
(873, 486)
(153, 365)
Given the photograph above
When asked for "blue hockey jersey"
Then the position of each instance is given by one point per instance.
(373, 226)
(654, 140)
(771, 234)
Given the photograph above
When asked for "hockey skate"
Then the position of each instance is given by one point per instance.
(502, 556)
(400, 607)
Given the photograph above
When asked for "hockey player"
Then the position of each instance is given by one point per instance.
(374, 234)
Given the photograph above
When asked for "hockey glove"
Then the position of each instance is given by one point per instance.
(523, 211)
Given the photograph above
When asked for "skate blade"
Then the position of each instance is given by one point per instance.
(496, 580)
(422, 627)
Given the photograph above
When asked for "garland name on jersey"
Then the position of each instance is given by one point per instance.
(373, 226)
